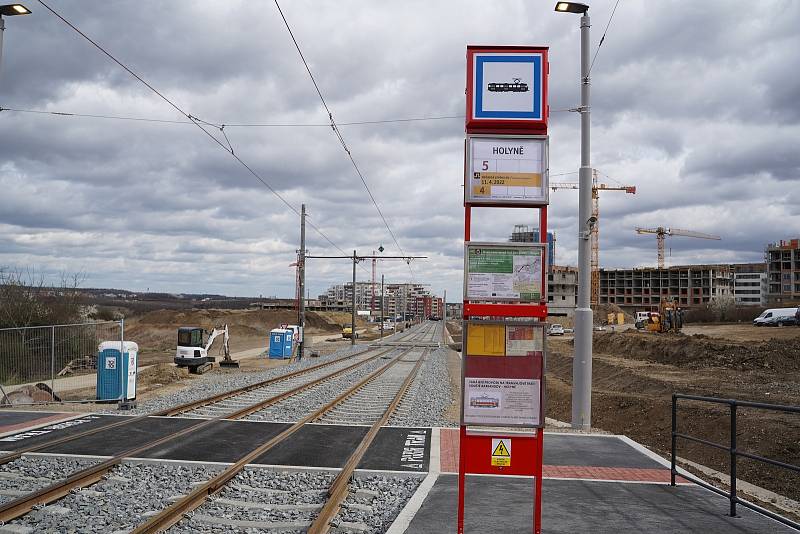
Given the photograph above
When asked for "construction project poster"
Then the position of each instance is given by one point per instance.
(504, 273)
(502, 401)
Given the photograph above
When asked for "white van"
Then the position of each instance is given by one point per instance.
(773, 312)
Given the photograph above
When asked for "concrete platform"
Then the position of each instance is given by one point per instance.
(501, 504)
(394, 449)
(591, 483)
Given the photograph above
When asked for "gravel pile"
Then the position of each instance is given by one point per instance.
(305, 402)
(374, 502)
(277, 498)
(31, 473)
(119, 502)
(428, 396)
(216, 383)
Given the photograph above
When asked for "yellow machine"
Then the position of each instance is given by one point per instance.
(668, 318)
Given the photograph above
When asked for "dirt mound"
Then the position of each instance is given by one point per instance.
(701, 352)
(162, 373)
(602, 311)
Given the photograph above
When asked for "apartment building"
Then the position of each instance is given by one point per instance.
(562, 291)
(410, 300)
(750, 287)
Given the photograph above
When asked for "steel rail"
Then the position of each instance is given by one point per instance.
(173, 513)
(84, 477)
(339, 489)
(15, 455)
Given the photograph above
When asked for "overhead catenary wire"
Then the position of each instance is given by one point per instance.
(241, 124)
(339, 136)
(191, 119)
(603, 38)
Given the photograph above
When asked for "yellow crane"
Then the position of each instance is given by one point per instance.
(662, 231)
(595, 233)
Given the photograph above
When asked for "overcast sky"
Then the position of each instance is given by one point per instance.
(694, 103)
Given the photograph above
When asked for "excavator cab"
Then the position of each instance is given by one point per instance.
(190, 336)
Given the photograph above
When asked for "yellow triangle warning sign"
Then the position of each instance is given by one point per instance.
(501, 450)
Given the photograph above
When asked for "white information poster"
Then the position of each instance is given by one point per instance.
(507, 170)
(502, 401)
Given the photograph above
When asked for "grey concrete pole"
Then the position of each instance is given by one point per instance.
(381, 306)
(582, 361)
(302, 304)
(353, 317)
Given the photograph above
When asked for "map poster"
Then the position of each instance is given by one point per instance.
(502, 401)
(504, 272)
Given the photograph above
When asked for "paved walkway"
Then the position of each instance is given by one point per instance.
(591, 483)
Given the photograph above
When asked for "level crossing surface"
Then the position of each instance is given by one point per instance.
(315, 445)
(592, 483)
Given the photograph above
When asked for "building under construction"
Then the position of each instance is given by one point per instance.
(783, 273)
(644, 289)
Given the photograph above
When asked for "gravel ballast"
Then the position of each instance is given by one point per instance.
(31, 473)
(428, 396)
(215, 383)
(289, 501)
(306, 402)
(118, 503)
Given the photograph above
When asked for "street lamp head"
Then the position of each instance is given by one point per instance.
(572, 7)
(10, 10)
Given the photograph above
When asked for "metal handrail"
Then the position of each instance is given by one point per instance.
(733, 404)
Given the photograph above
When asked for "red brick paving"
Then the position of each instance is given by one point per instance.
(449, 439)
(49, 419)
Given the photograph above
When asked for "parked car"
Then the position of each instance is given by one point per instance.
(569, 331)
(780, 320)
(600, 328)
(555, 330)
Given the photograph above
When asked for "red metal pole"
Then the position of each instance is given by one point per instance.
(537, 502)
(543, 239)
(462, 475)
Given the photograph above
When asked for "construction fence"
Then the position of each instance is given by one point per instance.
(56, 363)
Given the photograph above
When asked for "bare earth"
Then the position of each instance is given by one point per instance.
(635, 375)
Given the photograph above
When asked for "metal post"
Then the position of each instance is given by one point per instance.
(353, 318)
(301, 311)
(582, 361)
(674, 439)
(52, 359)
(381, 306)
(121, 366)
(733, 459)
(444, 317)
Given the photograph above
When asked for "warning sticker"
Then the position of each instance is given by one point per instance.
(501, 452)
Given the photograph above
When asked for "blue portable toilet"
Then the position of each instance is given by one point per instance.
(280, 343)
(116, 370)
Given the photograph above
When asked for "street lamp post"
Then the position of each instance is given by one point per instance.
(582, 360)
(9, 10)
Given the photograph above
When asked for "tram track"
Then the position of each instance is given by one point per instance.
(338, 490)
(85, 477)
(241, 403)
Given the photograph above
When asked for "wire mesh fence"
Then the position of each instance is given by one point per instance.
(55, 363)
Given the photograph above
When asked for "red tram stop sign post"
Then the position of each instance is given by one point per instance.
(505, 301)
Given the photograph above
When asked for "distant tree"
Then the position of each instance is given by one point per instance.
(723, 307)
(25, 300)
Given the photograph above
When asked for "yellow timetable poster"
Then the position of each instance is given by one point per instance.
(486, 339)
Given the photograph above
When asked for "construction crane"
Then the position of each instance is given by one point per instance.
(595, 231)
(661, 232)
